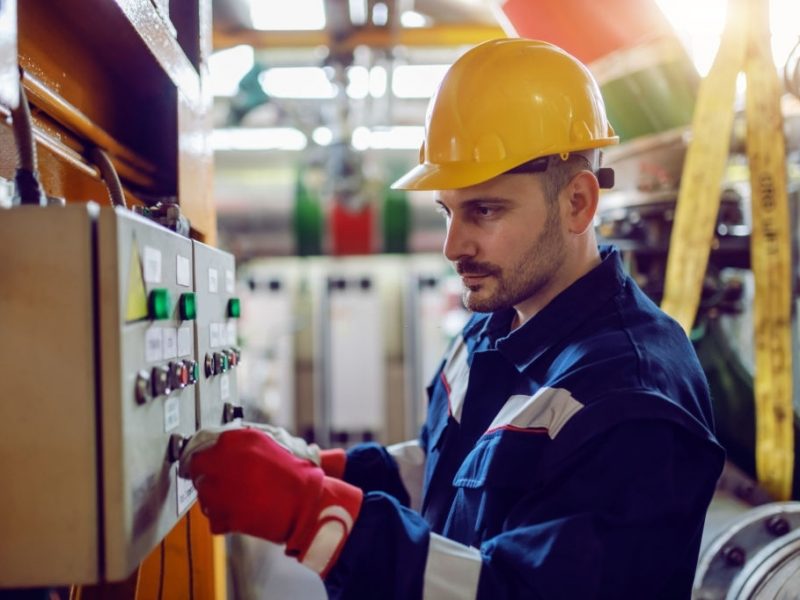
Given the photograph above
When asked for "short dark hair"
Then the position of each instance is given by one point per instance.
(559, 172)
(556, 171)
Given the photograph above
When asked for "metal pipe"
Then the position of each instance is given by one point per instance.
(66, 114)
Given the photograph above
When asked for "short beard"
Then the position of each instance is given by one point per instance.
(529, 276)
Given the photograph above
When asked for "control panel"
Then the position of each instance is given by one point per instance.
(98, 314)
(148, 375)
(218, 313)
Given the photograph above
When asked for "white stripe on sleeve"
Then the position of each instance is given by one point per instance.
(410, 458)
(451, 571)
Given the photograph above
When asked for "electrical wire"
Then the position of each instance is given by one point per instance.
(162, 560)
(28, 189)
(23, 132)
(189, 553)
(109, 175)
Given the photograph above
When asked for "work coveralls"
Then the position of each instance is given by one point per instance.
(571, 458)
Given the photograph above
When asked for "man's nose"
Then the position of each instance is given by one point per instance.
(459, 242)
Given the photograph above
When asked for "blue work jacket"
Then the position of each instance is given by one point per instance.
(573, 457)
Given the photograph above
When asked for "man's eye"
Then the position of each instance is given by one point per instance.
(485, 211)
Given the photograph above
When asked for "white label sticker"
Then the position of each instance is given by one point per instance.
(172, 413)
(231, 336)
(224, 387)
(170, 342)
(184, 341)
(213, 281)
(229, 281)
(186, 492)
(184, 271)
(152, 345)
(152, 265)
(213, 335)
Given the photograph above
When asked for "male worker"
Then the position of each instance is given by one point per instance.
(568, 449)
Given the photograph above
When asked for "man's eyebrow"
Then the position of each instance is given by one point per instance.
(487, 200)
(477, 201)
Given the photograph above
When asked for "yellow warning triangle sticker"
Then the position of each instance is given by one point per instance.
(137, 296)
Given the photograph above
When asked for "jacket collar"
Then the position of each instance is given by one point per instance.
(562, 315)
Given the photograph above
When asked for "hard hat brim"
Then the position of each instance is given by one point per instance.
(448, 176)
(455, 175)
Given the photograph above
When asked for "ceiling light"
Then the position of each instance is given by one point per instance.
(277, 15)
(380, 14)
(417, 81)
(358, 11)
(249, 139)
(227, 67)
(322, 136)
(388, 138)
(412, 19)
(297, 82)
(358, 82)
(377, 82)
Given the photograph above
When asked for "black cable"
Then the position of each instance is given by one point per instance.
(109, 175)
(23, 132)
(189, 553)
(28, 189)
(161, 573)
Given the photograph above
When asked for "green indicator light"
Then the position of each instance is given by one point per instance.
(225, 363)
(159, 304)
(234, 308)
(195, 371)
(188, 306)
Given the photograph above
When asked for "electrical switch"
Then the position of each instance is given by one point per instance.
(188, 306)
(234, 308)
(231, 412)
(178, 375)
(218, 363)
(158, 304)
(142, 387)
(209, 365)
(177, 443)
(160, 381)
(192, 369)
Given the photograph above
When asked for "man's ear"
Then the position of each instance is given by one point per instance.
(583, 193)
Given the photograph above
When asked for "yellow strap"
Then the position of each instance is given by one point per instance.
(706, 156)
(696, 214)
(770, 253)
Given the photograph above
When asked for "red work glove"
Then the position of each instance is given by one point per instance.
(331, 461)
(246, 482)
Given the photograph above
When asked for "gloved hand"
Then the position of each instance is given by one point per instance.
(332, 461)
(246, 482)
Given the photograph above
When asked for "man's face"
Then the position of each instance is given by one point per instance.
(505, 240)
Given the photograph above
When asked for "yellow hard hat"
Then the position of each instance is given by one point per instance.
(503, 103)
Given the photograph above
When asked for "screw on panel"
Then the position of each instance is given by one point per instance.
(777, 525)
(734, 556)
